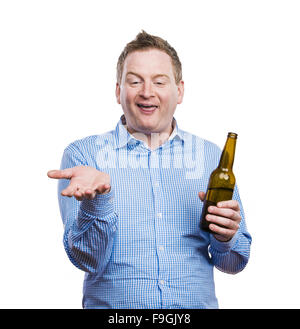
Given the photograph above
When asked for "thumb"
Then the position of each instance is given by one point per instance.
(57, 174)
(201, 196)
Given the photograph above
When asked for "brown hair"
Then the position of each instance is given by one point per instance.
(145, 41)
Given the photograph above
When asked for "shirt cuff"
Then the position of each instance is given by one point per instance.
(101, 206)
(221, 246)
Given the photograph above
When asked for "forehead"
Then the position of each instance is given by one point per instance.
(152, 61)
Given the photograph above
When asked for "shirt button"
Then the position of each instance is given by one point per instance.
(159, 215)
(162, 282)
(161, 248)
(156, 184)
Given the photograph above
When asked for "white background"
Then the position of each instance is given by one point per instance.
(57, 81)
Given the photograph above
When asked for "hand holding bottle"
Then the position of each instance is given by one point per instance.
(223, 219)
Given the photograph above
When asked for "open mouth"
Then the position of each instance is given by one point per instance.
(147, 108)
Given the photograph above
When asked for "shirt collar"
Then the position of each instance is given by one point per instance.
(123, 137)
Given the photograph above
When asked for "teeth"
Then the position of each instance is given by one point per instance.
(146, 106)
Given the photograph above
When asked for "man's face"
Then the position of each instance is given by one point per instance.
(148, 92)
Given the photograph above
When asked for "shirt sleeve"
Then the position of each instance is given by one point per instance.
(232, 256)
(89, 225)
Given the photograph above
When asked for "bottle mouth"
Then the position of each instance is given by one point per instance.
(232, 135)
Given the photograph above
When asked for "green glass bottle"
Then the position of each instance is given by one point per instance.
(222, 180)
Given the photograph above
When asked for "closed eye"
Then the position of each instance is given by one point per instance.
(159, 83)
(134, 83)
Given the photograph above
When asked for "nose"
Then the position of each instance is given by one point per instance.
(146, 90)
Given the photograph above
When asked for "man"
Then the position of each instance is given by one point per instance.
(135, 197)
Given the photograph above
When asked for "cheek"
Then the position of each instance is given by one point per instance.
(128, 97)
(169, 100)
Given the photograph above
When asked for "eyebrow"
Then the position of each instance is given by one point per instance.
(162, 76)
(133, 73)
(155, 76)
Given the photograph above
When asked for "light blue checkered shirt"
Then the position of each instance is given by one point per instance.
(140, 244)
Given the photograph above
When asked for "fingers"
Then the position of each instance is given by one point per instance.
(105, 188)
(222, 234)
(201, 196)
(90, 194)
(58, 174)
(229, 213)
(81, 193)
(224, 221)
(232, 204)
(78, 193)
(70, 190)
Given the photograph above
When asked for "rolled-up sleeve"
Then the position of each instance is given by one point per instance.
(89, 225)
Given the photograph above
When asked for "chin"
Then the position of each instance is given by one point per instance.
(146, 126)
(146, 130)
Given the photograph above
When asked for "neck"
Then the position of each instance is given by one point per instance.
(152, 139)
(227, 156)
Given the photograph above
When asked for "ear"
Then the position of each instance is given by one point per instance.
(118, 91)
(180, 89)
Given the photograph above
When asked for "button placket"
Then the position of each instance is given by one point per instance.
(155, 173)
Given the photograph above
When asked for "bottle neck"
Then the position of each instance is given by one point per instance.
(227, 157)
